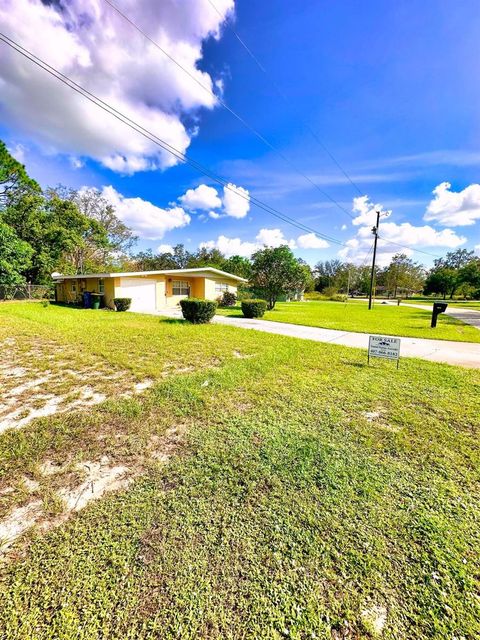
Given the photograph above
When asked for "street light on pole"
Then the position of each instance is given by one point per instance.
(375, 233)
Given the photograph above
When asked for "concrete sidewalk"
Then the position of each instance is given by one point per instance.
(465, 354)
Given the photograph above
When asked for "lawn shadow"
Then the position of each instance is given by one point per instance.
(172, 320)
(351, 363)
(231, 315)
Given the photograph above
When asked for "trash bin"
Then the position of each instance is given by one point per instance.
(96, 299)
(438, 307)
(87, 299)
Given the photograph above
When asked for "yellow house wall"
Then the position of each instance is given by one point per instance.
(109, 294)
(65, 293)
(160, 293)
(171, 300)
(210, 291)
(200, 287)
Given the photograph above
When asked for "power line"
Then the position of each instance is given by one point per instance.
(172, 150)
(230, 110)
(403, 246)
(262, 68)
(305, 124)
(157, 140)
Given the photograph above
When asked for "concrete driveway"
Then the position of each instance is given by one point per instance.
(465, 354)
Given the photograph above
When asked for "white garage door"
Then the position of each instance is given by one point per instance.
(142, 292)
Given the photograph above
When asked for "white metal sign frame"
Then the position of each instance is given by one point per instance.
(386, 347)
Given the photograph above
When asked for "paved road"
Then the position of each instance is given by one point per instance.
(465, 354)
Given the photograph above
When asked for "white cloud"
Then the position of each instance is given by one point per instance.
(88, 41)
(454, 208)
(265, 237)
(358, 251)
(344, 227)
(273, 238)
(214, 215)
(202, 197)
(367, 212)
(18, 152)
(231, 246)
(76, 163)
(165, 248)
(404, 234)
(427, 236)
(236, 201)
(146, 219)
(311, 241)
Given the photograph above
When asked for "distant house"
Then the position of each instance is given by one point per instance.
(149, 290)
(292, 296)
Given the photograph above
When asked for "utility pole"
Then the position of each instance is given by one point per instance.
(372, 275)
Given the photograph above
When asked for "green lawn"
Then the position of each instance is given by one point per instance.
(311, 495)
(355, 316)
(460, 304)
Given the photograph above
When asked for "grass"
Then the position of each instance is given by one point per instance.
(313, 495)
(382, 319)
(461, 304)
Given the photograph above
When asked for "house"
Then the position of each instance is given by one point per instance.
(149, 290)
(292, 296)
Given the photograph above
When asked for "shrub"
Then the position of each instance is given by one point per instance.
(253, 308)
(198, 311)
(228, 299)
(314, 295)
(330, 293)
(122, 304)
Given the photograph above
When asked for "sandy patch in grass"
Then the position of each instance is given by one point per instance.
(374, 619)
(72, 486)
(99, 478)
(42, 379)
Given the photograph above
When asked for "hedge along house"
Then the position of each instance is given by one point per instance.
(149, 290)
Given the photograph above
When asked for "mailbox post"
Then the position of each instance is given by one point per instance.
(438, 307)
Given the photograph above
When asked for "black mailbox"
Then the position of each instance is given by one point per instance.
(438, 307)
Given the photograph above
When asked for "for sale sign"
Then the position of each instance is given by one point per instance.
(384, 347)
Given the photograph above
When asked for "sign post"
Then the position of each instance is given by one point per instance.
(384, 347)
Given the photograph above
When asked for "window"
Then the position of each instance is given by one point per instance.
(220, 287)
(73, 286)
(101, 285)
(181, 288)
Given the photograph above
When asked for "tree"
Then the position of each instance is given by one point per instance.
(120, 238)
(469, 278)
(445, 276)
(15, 255)
(239, 266)
(72, 235)
(57, 233)
(276, 271)
(206, 258)
(441, 280)
(147, 261)
(404, 273)
(181, 256)
(14, 180)
(53, 228)
(325, 273)
(455, 259)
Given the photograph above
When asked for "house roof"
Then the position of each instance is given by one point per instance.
(194, 273)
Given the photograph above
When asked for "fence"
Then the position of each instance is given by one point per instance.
(25, 292)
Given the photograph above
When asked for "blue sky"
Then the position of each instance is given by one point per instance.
(391, 88)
